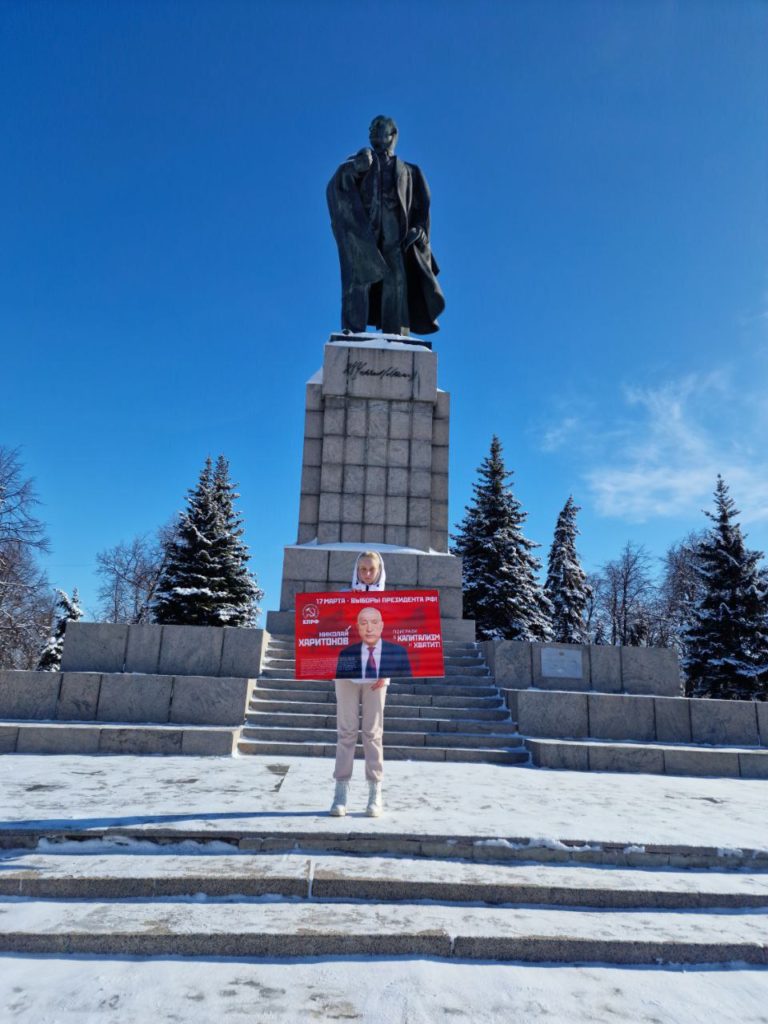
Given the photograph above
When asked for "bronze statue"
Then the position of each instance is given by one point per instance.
(379, 208)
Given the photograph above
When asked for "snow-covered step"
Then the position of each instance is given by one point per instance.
(418, 685)
(392, 752)
(425, 699)
(458, 679)
(467, 739)
(480, 686)
(397, 708)
(402, 878)
(480, 669)
(286, 682)
(469, 658)
(281, 671)
(406, 723)
(387, 879)
(415, 738)
(327, 736)
(269, 690)
(282, 928)
(471, 725)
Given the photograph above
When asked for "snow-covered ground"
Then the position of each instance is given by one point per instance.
(491, 802)
(488, 801)
(88, 990)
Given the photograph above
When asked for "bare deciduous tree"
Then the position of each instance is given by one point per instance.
(678, 591)
(130, 573)
(594, 613)
(626, 596)
(18, 523)
(26, 602)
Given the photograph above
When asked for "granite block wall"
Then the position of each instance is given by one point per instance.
(375, 462)
(168, 650)
(640, 718)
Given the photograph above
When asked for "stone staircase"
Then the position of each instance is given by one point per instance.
(320, 894)
(462, 717)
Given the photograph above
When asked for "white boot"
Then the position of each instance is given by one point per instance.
(340, 797)
(374, 808)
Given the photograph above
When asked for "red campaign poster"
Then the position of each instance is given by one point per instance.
(335, 633)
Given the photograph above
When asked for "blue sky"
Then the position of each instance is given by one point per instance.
(168, 276)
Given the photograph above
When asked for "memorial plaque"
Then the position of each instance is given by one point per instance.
(559, 662)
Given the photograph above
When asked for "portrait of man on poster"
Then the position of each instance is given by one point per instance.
(372, 657)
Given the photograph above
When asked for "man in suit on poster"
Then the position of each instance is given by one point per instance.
(373, 657)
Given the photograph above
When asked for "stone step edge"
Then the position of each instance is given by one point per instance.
(390, 719)
(438, 846)
(595, 741)
(288, 639)
(288, 707)
(280, 730)
(110, 876)
(268, 693)
(457, 679)
(77, 723)
(285, 928)
(455, 661)
(36, 736)
(400, 740)
(488, 689)
(649, 758)
(517, 755)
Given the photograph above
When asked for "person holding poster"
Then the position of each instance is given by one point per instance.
(360, 683)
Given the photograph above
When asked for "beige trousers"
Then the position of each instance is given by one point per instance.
(349, 696)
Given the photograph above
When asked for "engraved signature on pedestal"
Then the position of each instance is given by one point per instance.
(359, 368)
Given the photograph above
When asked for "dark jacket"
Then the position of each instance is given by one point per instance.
(394, 661)
(360, 259)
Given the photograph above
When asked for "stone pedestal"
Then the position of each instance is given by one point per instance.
(374, 475)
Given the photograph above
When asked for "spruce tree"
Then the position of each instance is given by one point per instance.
(69, 610)
(566, 586)
(243, 593)
(205, 580)
(727, 638)
(501, 589)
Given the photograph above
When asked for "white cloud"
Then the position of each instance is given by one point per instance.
(556, 436)
(663, 457)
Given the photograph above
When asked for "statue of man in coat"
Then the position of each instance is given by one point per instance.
(379, 208)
